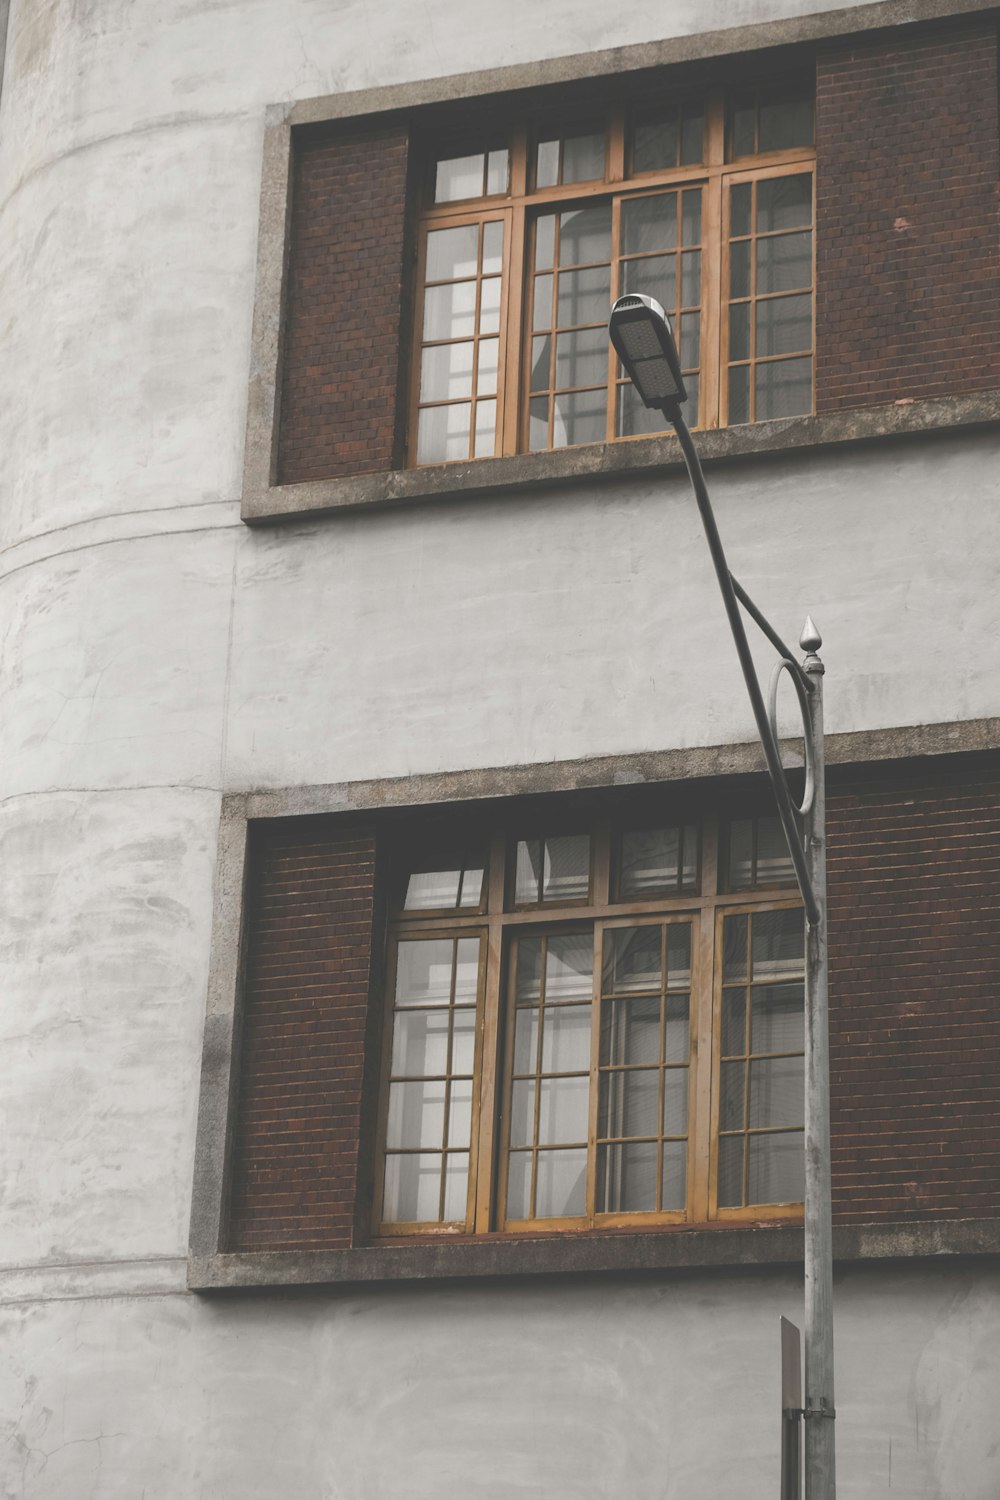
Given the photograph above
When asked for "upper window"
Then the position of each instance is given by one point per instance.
(590, 1025)
(704, 202)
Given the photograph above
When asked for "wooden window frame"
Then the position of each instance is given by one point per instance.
(497, 922)
(522, 205)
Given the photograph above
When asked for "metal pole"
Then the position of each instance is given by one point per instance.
(820, 1469)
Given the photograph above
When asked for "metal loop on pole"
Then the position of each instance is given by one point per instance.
(809, 791)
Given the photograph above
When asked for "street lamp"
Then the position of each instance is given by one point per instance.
(641, 334)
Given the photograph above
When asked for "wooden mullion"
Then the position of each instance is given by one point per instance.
(485, 1104)
(512, 322)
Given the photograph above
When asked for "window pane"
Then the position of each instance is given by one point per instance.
(452, 253)
(655, 142)
(542, 302)
(785, 123)
(497, 172)
(522, 1112)
(649, 223)
(541, 362)
(739, 269)
(547, 164)
(730, 1189)
(784, 389)
(675, 1101)
(774, 863)
(456, 1186)
(784, 203)
(692, 216)
(526, 1040)
(630, 1031)
(776, 1168)
(630, 1103)
(741, 871)
(650, 862)
(582, 357)
(584, 296)
(784, 325)
(734, 948)
(463, 1042)
(431, 889)
(489, 305)
(487, 365)
(567, 868)
(423, 972)
(776, 1092)
(443, 433)
(446, 372)
(529, 971)
(545, 241)
(634, 418)
(466, 970)
(784, 262)
(653, 276)
(459, 177)
(691, 278)
(519, 1185)
(743, 127)
(678, 1035)
(678, 955)
(569, 967)
(585, 235)
(563, 1111)
(566, 1039)
(412, 1189)
(778, 944)
(734, 1022)
(692, 138)
(472, 886)
(538, 432)
(690, 341)
(732, 1102)
(460, 1112)
(416, 1114)
(777, 1018)
(739, 330)
(633, 959)
(579, 418)
(486, 426)
(739, 209)
(420, 1043)
(674, 1175)
(739, 394)
(583, 158)
(561, 1187)
(626, 1178)
(450, 311)
(529, 870)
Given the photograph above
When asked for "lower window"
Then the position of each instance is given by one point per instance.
(590, 1026)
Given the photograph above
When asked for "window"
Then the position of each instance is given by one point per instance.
(704, 202)
(591, 1025)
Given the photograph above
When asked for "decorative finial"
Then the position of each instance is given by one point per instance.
(810, 640)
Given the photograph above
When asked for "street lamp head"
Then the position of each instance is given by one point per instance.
(641, 334)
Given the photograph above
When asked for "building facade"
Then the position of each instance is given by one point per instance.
(403, 1037)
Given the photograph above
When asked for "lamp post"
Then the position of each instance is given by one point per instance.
(641, 334)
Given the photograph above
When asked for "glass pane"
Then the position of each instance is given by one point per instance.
(456, 1186)
(739, 394)
(566, 1039)
(734, 1022)
(743, 126)
(732, 1103)
(460, 177)
(678, 1037)
(538, 431)
(689, 872)
(564, 1111)
(777, 1092)
(569, 969)
(777, 1020)
(452, 253)
(547, 164)
(463, 1042)
(497, 172)
(432, 889)
(583, 158)
(734, 944)
(584, 296)
(740, 853)
(487, 365)
(580, 418)
(522, 1112)
(649, 223)
(489, 305)
(412, 1189)
(674, 1174)
(519, 1185)
(443, 433)
(467, 970)
(585, 235)
(691, 278)
(774, 863)
(784, 262)
(650, 862)
(784, 203)
(784, 325)
(582, 357)
(526, 1040)
(778, 938)
(450, 311)
(692, 217)
(543, 302)
(486, 426)
(420, 1043)
(730, 1189)
(626, 1178)
(678, 955)
(567, 868)
(784, 389)
(690, 344)
(561, 1187)
(630, 1103)
(785, 123)
(446, 372)
(739, 209)
(655, 143)
(634, 418)
(653, 276)
(633, 959)
(777, 1169)
(545, 241)
(460, 1113)
(529, 971)
(423, 972)
(692, 138)
(630, 1031)
(416, 1114)
(541, 362)
(739, 330)
(472, 886)
(739, 269)
(529, 870)
(675, 1101)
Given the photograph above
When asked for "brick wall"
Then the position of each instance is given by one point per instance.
(914, 871)
(298, 1122)
(908, 270)
(343, 308)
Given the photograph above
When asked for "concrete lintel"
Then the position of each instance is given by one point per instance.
(607, 771)
(701, 46)
(602, 462)
(757, 1245)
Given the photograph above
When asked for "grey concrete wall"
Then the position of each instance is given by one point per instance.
(154, 653)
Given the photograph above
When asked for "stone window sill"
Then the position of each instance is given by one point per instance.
(596, 462)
